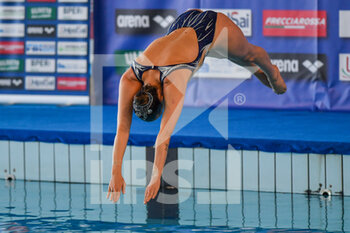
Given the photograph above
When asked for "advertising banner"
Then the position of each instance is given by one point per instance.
(307, 40)
(44, 51)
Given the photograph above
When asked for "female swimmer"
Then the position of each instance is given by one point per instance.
(158, 79)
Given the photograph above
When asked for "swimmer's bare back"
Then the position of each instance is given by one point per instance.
(180, 46)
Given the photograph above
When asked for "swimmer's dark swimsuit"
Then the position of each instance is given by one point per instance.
(204, 25)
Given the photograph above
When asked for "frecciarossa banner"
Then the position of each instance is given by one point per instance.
(308, 41)
(295, 23)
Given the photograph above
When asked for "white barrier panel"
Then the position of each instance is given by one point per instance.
(197, 167)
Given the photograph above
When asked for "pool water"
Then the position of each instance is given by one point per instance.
(46, 207)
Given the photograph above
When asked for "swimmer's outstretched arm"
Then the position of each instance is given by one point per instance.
(128, 87)
(174, 89)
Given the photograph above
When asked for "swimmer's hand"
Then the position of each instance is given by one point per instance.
(152, 189)
(277, 83)
(116, 185)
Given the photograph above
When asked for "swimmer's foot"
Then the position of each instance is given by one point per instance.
(277, 83)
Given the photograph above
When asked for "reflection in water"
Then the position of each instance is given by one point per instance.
(44, 206)
(160, 213)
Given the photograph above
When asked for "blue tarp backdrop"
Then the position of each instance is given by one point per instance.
(308, 40)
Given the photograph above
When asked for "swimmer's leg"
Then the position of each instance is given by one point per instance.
(229, 42)
(254, 69)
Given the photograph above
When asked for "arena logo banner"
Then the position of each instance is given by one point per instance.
(73, 66)
(40, 47)
(11, 47)
(41, 13)
(11, 83)
(344, 19)
(71, 83)
(344, 67)
(72, 13)
(143, 21)
(11, 30)
(295, 23)
(72, 48)
(301, 66)
(41, 31)
(12, 12)
(11, 65)
(40, 83)
(241, 17)
(72, 31)
(40, 65)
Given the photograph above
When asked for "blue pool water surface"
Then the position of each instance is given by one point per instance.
(62, 207)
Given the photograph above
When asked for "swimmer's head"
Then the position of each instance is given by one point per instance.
(146, 104)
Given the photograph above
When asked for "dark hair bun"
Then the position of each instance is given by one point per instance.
(146, 104)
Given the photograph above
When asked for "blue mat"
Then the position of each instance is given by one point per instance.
(265, 130)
